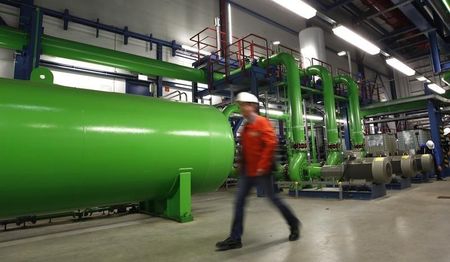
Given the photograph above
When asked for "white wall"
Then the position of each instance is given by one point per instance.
(7, 57)
(165, 19)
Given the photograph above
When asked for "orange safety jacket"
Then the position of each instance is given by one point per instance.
(258, 142)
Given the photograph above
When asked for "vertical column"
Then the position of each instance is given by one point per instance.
(436, 60)
(223, 9)
(31, 22)
(194, 92)
(392, 88)
(435, 123)
(159, 91)
(348, 143)
(253, 83)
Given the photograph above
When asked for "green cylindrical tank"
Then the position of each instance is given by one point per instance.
(64, 148)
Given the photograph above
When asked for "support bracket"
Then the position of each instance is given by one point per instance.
(177, 206)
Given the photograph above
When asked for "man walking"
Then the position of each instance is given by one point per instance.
(258, 142)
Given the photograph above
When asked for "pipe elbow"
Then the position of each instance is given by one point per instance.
(296, 166)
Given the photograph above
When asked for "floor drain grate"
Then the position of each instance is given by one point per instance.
(443, 197)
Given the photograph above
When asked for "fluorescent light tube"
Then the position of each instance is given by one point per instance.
(421, 78)
(299, 7)
(396, 64)
(342, 53)
(276, 42)
(435, 88)
(193, 49)
(230, 25)
(356, 40)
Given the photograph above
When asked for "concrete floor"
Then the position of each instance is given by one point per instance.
(410, 225)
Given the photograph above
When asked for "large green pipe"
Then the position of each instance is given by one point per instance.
(313, 90)
(356, 131)
(333, 152)
(14, 39)
(298, 159)
(65, 148)
(400, 105)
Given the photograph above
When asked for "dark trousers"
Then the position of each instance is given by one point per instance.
(245, 185)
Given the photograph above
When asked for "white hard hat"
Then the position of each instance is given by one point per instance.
(247, 98)
(446, 131)
(430, 144)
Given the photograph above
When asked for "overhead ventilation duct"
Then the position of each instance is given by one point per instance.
(312, 46)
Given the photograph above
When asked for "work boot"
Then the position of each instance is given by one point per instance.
(228, 243)
(295, 232)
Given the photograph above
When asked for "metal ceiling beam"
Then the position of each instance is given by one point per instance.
(410, 44)
(373, 15)
(397, 33)
(375, 27)
(338, 4)
(415, 35)
(418, 19)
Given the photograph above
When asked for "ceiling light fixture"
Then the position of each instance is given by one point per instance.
(400, 66)
(299, 7)
(435, 88)
(356, 40)
(422, 78)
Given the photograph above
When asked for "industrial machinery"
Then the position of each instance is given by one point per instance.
(66, 149)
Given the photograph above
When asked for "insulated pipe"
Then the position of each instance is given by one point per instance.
(297, 161)
(15, 39)
(356, 131)
(333, 154)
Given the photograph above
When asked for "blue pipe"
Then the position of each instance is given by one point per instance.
(434, 52)
(67, 17)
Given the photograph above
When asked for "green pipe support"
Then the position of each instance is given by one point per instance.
(356, 130)
(52, 46)
(333, 155)
(298, 159)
